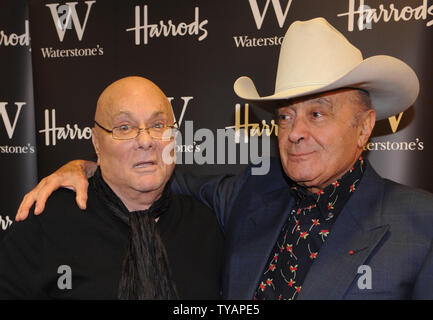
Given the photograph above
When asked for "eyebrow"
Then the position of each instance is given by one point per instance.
(121, 113)
(129, 114)
(322, 101)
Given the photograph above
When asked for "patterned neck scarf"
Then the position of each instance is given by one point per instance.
(145, 270)
(331, 200)
(307, 227)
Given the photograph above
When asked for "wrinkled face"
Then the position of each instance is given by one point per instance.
(321, 137)
(136, 165)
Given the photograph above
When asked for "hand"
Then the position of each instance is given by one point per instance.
(72, 175)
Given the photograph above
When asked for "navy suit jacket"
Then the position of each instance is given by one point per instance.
(388, 226)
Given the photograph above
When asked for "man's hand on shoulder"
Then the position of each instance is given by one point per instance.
(72, 175)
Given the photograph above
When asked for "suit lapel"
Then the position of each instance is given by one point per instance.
(356, 233)
(266, 222)
(339, 259)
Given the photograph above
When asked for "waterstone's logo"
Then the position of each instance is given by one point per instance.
(145, 30)
(65, 14)
(259, 17)
(375, 144)
(10, 122)
(280, 8)
(65, 17)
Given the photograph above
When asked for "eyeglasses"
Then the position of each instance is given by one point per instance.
(127, 132)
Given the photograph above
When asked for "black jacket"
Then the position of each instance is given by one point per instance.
(38, 254)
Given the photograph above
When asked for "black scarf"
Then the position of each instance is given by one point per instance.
(145, 271)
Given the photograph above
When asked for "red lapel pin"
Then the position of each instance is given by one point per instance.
(352, 252)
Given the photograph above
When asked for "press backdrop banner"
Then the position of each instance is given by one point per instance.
(17, 128)
(195, 50)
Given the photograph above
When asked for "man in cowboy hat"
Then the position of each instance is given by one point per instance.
(327, 226)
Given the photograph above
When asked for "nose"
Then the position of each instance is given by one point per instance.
(144, 140)
(299, 130)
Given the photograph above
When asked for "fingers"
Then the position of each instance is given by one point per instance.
(38, 195)
(28, 201)
(24, 208)
(71, 175)
(81, 197)
(42, 197)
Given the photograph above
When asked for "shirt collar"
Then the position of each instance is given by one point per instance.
(333, 197)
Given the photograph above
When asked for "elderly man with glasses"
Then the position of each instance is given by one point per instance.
(136, 240)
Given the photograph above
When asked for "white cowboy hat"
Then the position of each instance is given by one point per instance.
(315, 57)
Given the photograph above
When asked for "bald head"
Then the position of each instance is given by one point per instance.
(134, 167)
(130, 90)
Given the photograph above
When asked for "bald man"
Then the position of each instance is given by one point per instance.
(137, 240)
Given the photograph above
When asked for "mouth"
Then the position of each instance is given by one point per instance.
(298, 155)
(144, 164)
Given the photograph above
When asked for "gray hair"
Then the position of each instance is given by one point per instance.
(363, 100)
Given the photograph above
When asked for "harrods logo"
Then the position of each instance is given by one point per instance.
(53, 133)
(14, 39)
(251, 129)
(65, 17)
(281, 12)
(368, 15)
(145, 30)
(5, 222)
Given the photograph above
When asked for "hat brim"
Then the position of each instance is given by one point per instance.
(393, 86)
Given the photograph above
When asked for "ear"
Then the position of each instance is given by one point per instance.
(95, 141)
(366, 127)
